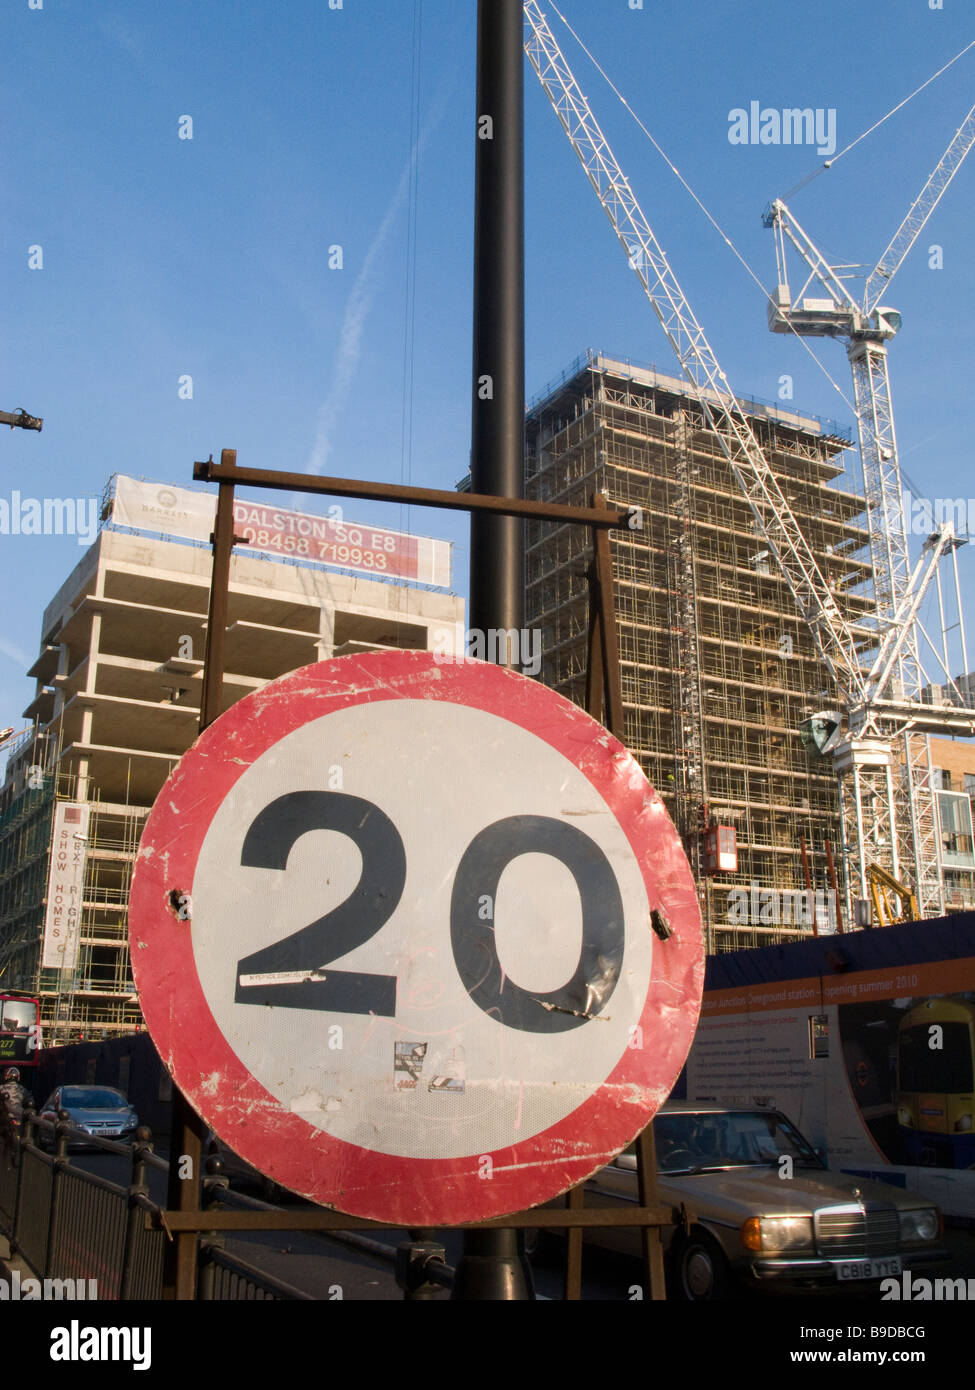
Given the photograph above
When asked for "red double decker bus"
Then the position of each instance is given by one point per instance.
(20, 1034)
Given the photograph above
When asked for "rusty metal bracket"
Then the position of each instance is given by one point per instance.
(421, 1268)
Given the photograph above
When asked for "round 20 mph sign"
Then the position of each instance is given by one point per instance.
(392, 927)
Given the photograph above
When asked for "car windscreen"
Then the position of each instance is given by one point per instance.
(740, 1138)
(91, 1098)
(17, 1015)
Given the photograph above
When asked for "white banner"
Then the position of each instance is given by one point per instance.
(176, 510)
(271, 530)
(65, 886)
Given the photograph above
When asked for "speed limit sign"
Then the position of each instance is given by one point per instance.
(392, 927)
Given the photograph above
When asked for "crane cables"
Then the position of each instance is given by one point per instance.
(707, 213)
(409, 312)
(876, 125)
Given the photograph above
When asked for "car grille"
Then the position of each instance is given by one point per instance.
(854, 1232)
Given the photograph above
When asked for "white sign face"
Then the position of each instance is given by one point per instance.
(503, 1083)
(65, 886)
(391, 928)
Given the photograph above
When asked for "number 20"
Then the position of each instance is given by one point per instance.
(277, 828)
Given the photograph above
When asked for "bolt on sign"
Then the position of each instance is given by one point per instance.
(397, 928)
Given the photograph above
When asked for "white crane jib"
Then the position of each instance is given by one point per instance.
(708, 382)
(866, 326)
(867, 757)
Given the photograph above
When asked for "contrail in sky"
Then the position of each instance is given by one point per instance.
(362, 297)
(14, 653)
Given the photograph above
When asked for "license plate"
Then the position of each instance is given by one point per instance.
(108, 1133)
(869, 1269)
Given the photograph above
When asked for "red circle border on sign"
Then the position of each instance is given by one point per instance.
(406, 1191)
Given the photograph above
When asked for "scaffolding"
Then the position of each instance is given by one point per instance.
(718, 667)
(102, 998)
(117, 705)
(95, 997)
(25, 845)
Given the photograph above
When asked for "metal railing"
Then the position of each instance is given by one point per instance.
(225, 1277)
(68, 1224)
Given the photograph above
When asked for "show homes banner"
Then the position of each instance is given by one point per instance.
(65, 883)
(297, 535)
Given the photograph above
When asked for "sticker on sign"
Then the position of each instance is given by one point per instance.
(421, 981)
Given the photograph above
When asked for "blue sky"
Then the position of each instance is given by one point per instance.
(165, 257)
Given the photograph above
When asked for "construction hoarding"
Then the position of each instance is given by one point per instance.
(866, 1041)
(299, 536)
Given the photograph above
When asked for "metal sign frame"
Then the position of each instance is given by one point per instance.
(183, 1219)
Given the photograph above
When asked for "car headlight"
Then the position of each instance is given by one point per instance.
(921, 1223)
(905, 1118)
(775, 1233)
(963, 1124)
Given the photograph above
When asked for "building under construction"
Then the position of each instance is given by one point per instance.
(718, 666)
(117, 703)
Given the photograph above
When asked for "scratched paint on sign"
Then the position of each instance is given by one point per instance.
(436, 973)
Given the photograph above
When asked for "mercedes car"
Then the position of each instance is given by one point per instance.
(764, 1208)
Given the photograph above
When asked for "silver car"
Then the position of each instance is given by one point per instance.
(97, 1110)
(765, 1207)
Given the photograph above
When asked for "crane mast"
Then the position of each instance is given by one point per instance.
(876, 819)
(866, 328)
(697, 360)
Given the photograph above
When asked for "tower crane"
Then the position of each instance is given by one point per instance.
(874, 710)
(866, 327)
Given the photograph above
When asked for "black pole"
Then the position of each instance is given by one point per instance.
(188, 1133)
(498, 389)
(491, 1266)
